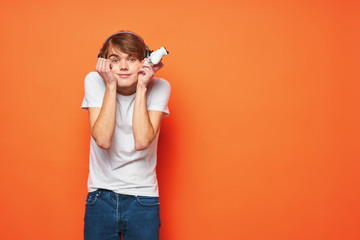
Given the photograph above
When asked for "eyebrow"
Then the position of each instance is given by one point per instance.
(118, 56)
(114, 55)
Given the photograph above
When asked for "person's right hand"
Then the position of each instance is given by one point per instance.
(103, 67)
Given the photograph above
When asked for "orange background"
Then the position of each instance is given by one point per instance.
(263, 137)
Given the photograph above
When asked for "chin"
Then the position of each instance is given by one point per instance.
(126, 82)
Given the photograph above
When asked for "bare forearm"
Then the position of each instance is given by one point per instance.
(104, 126)
(142, 128)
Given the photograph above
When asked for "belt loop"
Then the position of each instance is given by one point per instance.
(100, 192)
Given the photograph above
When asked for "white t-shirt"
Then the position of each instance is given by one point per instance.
(121, 168)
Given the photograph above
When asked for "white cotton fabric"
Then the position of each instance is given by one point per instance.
(121, 168)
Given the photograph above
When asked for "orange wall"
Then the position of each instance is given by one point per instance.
(263, 137)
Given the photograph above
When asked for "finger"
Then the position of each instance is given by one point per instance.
(145, 63)
(107, 65)
(158, 66)
(143, 71)
(102, 65)
(98, 64)
(147, 69)
(148, 65)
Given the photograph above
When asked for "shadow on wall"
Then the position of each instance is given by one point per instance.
(168, 171)
(167, 150)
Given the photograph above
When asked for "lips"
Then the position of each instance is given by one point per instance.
(124, 75)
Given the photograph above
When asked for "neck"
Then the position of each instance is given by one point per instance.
(127, 91)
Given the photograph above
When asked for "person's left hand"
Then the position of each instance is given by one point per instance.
(146, 73)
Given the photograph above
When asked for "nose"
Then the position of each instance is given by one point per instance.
(123, 65)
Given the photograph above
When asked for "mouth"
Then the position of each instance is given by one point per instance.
(123, 75)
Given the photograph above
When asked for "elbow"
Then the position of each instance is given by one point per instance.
(102, 141)
(141, 145)
(104, 144)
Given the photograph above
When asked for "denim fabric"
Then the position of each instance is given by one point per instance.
(109, 214)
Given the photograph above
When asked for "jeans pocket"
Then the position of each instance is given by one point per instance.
(92, 197)
(148, 201)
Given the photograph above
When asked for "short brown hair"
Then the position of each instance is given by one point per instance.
(127, 42)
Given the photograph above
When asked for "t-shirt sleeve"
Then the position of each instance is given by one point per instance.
(94, 91)
(159, 95)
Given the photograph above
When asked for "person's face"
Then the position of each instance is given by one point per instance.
(125, 68)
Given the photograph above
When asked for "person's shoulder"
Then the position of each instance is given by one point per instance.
(159, 87)
(161, 83)
(94, 78)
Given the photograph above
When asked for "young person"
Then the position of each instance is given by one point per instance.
(126, 104)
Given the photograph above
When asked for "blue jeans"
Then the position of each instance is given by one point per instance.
(109, 215)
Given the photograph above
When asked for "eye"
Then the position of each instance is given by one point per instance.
(114, 60)
(132, 59)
